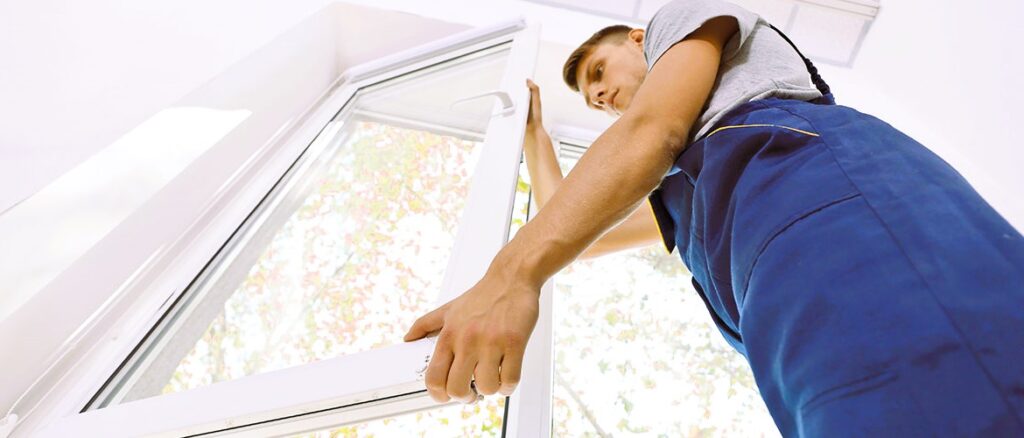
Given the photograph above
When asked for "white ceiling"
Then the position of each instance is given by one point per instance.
(828, 31)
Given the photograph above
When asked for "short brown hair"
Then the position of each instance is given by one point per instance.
(615, 33)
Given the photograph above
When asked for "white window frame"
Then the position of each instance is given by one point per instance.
(389, 380)
(530, 410)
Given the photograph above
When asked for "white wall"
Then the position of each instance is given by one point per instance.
(76, 75)
(947, 74)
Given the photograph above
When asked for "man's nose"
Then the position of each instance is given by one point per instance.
(599, 97)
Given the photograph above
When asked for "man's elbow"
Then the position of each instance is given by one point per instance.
(662, 136)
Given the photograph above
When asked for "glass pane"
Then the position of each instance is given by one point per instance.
(483, 419)
(346, 252)
(662, 368)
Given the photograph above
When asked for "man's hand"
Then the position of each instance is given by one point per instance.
(533, 120)
(483, 336)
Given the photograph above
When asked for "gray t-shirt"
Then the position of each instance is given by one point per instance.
(757, 62)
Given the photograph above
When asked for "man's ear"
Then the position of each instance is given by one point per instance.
(636, 36)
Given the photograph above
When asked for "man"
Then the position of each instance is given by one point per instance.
(873, 292)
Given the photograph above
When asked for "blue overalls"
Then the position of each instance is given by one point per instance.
(872, 290)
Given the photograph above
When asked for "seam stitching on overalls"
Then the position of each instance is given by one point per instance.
(862, 384)
(741, 109)
(924, 280)
(761, 125)
(788, 223)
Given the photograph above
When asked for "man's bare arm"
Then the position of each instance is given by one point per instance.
(483, 332)
(625, 163)
(638, 230)
(541, 161)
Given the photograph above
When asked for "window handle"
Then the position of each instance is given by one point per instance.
(507, 106)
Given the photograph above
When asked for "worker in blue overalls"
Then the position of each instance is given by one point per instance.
(872, 290)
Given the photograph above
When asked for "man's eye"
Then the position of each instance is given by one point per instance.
(600, 70)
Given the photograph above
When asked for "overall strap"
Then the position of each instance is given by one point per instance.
(815, 77)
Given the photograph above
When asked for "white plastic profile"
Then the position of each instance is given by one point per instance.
(431, 50)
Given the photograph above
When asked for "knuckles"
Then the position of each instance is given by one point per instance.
(496, 338)
(513, 339)
(445, 338)
(473, 333)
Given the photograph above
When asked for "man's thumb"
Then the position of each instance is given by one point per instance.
(426, 325)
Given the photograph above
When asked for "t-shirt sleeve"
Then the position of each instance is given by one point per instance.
(679, 18)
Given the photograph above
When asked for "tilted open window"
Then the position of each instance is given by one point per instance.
(295, 323)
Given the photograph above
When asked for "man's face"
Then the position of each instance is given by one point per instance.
(610, 74)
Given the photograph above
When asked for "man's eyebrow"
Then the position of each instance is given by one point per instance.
(588, 76)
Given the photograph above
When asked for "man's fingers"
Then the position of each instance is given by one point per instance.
(534, 95)
(460, 376)
(486, 374)
(436, 378)
(511, 367)
(427, 324)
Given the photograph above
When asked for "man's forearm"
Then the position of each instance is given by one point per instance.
(542, 163)
(613, 177)
(625, 164)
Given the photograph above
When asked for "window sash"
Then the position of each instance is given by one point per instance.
(317, 389)
(192, 310)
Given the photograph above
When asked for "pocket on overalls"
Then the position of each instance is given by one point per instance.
(768, 175)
